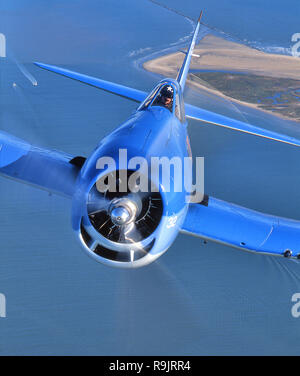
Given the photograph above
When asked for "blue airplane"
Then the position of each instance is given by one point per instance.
(127, 228)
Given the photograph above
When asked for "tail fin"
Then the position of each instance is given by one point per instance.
(182, 75)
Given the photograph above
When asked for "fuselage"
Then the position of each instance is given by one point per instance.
(151, 131)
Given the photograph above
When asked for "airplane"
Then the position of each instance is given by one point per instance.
(130, 229)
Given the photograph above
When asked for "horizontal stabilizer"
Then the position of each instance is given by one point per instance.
(123, 91)
(191, 111)
(205, 116)
(185, 52)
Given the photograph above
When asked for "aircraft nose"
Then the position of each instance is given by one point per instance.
(120, 216)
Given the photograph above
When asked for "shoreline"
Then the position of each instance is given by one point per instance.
(218, 54)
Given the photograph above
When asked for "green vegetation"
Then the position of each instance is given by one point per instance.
(281, 95)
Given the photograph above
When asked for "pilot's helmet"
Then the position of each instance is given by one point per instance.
(167, 91)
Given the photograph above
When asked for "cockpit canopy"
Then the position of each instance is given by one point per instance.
(165, 95)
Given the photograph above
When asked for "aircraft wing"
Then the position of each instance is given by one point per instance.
(205, 116)
(111, 87)
(243, 228)
(49, 170)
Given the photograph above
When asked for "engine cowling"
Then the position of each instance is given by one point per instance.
(122, 228)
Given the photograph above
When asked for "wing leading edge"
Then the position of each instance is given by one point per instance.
(45, 169)
(243, 228)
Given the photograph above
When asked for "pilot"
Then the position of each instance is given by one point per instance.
(165, 98)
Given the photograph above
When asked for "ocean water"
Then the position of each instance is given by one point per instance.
(198, 298)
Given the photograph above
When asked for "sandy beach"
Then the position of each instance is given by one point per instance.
(218, 54)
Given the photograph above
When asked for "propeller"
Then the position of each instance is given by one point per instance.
(124, 217)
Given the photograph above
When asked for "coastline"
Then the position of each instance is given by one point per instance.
(217, 54)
